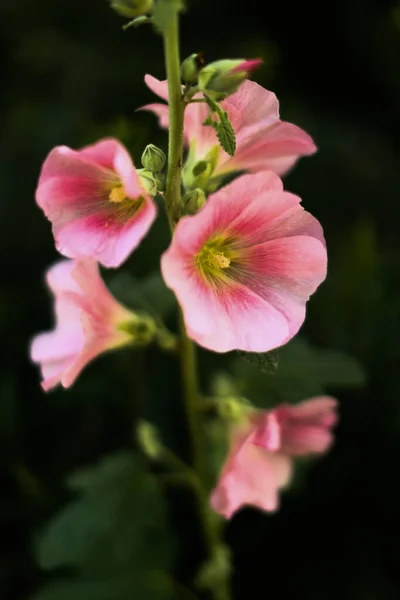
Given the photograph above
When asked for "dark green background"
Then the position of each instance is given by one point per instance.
(69, 76)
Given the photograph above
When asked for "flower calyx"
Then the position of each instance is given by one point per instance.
(131, 8)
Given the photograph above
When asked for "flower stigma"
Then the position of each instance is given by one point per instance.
(117, 194)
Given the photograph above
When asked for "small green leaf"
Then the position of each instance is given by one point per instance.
(226, 134)
(223, 126)
(164, 11)
(267, 362)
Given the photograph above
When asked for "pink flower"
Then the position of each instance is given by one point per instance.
(245, 265)
(96, 202)
(263, 141)
(260, 461)
(89, 321)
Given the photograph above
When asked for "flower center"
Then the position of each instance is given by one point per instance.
(117, 194)
(216, 260)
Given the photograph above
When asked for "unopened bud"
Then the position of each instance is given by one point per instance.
(194, 200)
(221, 78)
(147, 181)
(148, 439)
(153, 158)
(191, 66)
(131, 8)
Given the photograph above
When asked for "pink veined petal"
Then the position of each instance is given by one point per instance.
(235, 318)
(295, 264)
(102, 153)
(275, 147)
(98, 299)
(100, 336)
(274, 215)
(109, 245)
(255, 104)
(227, 205)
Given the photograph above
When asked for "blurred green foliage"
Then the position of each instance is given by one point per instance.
(71, 75)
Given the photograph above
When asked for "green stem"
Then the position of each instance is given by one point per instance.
(188, 354)
(176, 111)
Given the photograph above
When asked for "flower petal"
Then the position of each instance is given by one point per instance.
(253, 479)
(160, 88)
(275, 147)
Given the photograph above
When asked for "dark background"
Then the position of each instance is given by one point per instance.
(70, 76)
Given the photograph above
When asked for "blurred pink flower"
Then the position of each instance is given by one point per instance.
(263, 141)
(245, 265)
(89, 321)
(95, 201)
(260, 461)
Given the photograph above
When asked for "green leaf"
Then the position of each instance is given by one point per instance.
(226, 134)
(223, 126)
(267, 362)
(304, 371)
(116, 524)
(164, 11)
(148, 294)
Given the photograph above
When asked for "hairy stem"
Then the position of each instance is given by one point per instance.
(220, 590)
(176, 111)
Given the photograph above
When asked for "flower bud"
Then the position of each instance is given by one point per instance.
(148, 440)
(233, 408)
(148, 181)
(191, 66)
(153, 158)
(194, 200)
(221, 78)
(131, 8)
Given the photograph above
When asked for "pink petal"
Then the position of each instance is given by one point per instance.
(110, 246)
(254, 479)
(161, 111)
(306, 427)
(160, 88)
(267, 432)
(233, 319)
(255, 104)
(275, 147)
(73, 192)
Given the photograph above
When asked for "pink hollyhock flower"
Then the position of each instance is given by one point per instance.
(260, 460)
(245, 265)
(263, 141)
(89, 321)
(96, 201)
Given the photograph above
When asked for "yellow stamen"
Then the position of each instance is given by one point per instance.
(117, 194)
(217, 260)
